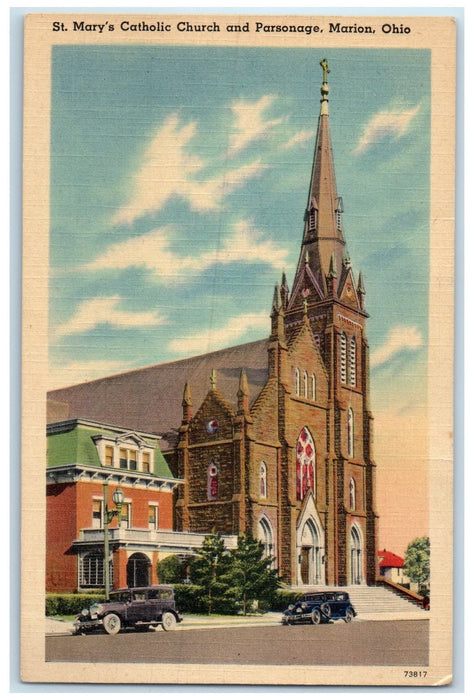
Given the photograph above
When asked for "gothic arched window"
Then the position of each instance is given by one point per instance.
(262, 480)
(343, 358)
(352, 494)
(304, 390)
(305, 463)
(265, 535)
(353, 362)
(212, 481)
(350, 432)
(313, 387)
(297, 381)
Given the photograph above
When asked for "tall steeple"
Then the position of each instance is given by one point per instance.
(323, 238)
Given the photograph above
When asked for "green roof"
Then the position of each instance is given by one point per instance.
(76, 446)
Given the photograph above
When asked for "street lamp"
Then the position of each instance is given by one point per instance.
(117, 498)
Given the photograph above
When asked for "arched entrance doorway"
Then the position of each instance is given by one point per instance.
(356, 556)
(138, 570)
(310, 558)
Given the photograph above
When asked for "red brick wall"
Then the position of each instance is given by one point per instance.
(61, 530)
(69, 509)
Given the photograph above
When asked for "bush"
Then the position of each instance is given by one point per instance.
(193, 599)
(171, 570)
(282, 598)
(58, 604)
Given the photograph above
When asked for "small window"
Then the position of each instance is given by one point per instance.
(313, 387)
(312, 219)
(128, 458)
(352, 494)
(263, 479)
(109, 456)
(297, 381)
(126, 515)
(212, 481)
(146, 461)
(350, 432)
(305, 384)
(153, 517)
(97, 513)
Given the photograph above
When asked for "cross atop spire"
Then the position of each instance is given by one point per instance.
(324, 87)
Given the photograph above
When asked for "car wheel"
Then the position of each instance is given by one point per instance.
(326, 609)
(168, 621)
(315, 617)
(112, 623)
(349, 616)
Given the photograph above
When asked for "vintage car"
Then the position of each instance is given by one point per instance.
(320, 607)
(137, 608)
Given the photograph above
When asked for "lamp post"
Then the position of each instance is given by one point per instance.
(108, 516)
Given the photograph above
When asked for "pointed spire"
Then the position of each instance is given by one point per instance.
(323, 234)
(213, 379)
(276, 300)
(284, 291)
(361, 291)
(333, 267)
(243, 394)
(187, 404)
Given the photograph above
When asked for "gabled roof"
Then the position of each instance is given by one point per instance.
(150, 399)
(390, 560)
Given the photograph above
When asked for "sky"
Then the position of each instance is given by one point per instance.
(179, 179)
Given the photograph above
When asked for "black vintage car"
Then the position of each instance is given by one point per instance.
(137, 608)
(320, 607)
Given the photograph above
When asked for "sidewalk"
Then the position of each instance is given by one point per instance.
(57, 627)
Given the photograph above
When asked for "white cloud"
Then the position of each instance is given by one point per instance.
(170, 169)
(250, 124)
(94, 312)
(217, 338)
(153, 251)
(400, 338)
(300, 137)
(385, 123)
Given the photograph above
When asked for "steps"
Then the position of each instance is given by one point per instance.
(370, 600)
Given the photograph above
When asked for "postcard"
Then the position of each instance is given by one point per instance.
(238, 321)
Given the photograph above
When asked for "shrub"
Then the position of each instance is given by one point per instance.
(58, 604)
(170, 569)
(282, 598)
(193, 599)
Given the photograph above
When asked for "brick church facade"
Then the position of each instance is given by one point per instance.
(272, 437)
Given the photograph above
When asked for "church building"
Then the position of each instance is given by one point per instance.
(272, 437)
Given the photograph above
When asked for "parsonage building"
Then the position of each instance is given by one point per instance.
(272, 437)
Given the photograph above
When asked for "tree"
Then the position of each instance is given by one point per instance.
(171, 569)
(251, 572)
(210, 570)
(417, 560)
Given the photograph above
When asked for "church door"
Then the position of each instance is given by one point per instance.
(305, 552)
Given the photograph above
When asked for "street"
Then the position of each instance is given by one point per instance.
(363, 642)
